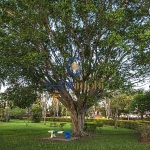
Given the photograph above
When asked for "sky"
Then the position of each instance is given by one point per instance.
(145, 87)
(2, 89)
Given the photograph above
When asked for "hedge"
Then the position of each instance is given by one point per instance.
(58, 119)
(144, 131)
(144, 122)
(129, 124)
(3, 120)
(92, 126)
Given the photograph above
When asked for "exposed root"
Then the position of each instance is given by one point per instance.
(83, 134)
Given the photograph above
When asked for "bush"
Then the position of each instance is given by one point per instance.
(128, 124)
(144, 122)
(2, 119)
(121, 123)
(144, 131)
(58, 119)
(89, 126)
(108, 122)
(92, 126)
(90, 120)
(36, 114)
(17, 113)
(98, 123)
(26, 118)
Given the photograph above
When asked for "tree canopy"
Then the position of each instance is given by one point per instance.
(141, 103)
(111, 39)
(21, 96)
(122, 103)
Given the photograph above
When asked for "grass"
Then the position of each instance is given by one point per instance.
(15, 135)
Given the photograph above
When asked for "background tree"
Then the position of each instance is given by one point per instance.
(123, 101)
(110, 38)
(36, 113)
(21, 96)
(5, 107)
(141, 103)
(18, 113)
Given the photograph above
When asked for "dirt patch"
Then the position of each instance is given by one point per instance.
(146, 141)
(59, 139)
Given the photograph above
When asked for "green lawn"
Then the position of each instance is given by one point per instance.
(15, 135)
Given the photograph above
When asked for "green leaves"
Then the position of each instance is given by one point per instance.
(21, 96)
(110, 37)
(141, 102)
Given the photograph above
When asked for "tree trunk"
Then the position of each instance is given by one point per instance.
(7, 115)
(77, 119)
(77, 110)
(142, 115)
(44, 120)
(115, 121)
(66, 113)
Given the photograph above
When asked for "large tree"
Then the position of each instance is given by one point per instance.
(109, 37)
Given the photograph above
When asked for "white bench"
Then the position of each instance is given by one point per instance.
(54, 132)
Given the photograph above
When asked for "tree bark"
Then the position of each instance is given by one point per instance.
(77, 119)
(116, 115)
(142, 116)
(7, 114)
(77, 110)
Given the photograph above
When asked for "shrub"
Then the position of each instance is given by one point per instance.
(121, 123)
(17, 113)
(144, 130)
(25, 118)
(92, 126)
(128, 124)
(108, 122)
(36, 114)
(98, 123)
(2, 119)
(58, 119)
(89, 126)
(144, 122)
(90, 120)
